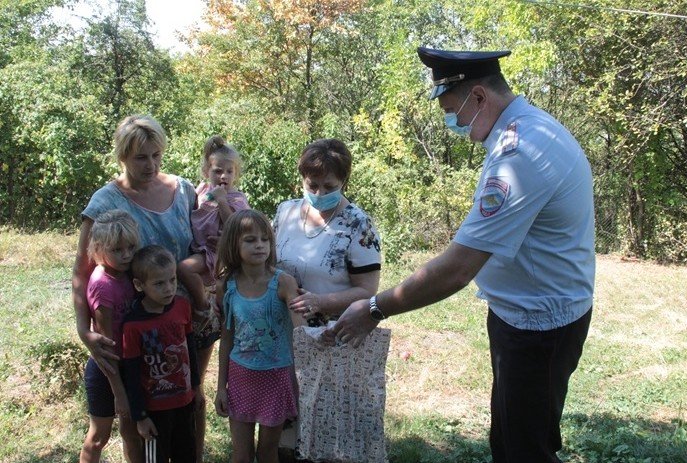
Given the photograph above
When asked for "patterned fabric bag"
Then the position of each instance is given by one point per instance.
(342, 394)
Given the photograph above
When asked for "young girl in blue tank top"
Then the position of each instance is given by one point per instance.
(256, 383)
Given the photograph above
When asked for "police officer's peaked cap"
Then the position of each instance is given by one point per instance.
(451, 67)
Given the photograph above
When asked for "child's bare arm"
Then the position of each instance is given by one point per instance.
(288, 289)
(190, 271)
(103, 319)
(226, 343)
(220, 196)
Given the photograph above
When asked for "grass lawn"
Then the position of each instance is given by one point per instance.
(627, 400)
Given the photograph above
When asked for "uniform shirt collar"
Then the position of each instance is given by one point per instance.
(515, 108)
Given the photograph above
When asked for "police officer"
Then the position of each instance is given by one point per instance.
(528, 242)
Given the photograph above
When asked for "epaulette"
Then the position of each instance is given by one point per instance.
(510, 139)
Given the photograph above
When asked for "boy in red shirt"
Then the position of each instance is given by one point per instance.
(159, 358)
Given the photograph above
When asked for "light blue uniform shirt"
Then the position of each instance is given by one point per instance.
(533, 210)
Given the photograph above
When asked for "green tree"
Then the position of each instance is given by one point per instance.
(61, 95)
(18, 26)
(271, 49)
(32, 112)
(115, 54)
(630, 77)
(49, 154)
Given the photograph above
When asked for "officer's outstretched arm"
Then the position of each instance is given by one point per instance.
(439, 278)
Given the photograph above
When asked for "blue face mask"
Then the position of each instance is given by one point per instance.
(451, 120)
(323, 202)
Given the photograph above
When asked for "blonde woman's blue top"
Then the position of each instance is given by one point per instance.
(170, 228)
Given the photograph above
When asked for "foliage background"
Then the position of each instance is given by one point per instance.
(273, 75)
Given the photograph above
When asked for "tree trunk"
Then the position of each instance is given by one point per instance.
(310, 102)
(636, 210)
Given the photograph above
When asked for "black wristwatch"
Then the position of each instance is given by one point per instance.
(375, 313)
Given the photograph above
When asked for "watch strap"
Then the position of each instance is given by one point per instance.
(375, 311)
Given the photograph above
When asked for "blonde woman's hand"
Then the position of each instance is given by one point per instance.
(101, 349)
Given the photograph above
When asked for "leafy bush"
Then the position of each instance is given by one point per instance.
(415, 204)
(59, 367)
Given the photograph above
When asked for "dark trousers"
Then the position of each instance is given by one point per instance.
(531, 372)
(176, 436)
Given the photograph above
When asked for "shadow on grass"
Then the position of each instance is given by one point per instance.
(431, 439)
(602, 438)
(418, 450)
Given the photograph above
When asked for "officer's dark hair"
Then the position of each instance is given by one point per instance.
(495, 82)
(148, 258)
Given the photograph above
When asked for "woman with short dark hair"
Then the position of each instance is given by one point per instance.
(332, 248)
(328, 243)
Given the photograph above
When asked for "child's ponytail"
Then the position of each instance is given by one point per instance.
(217, 146)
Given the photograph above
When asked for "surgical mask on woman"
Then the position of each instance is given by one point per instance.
(323, 202)
(451, 120)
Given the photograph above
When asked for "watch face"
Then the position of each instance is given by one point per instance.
(376, 314)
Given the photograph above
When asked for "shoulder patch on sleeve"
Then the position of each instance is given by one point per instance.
(493, 195)
(510, 139)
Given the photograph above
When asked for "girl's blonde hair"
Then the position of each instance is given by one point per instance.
(109, 230)
(215, 146)
(133, 132)
(229, 246)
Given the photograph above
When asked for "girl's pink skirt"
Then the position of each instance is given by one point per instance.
(267, 397)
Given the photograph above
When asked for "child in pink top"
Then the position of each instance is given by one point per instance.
(217, 200)
(112, 243)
